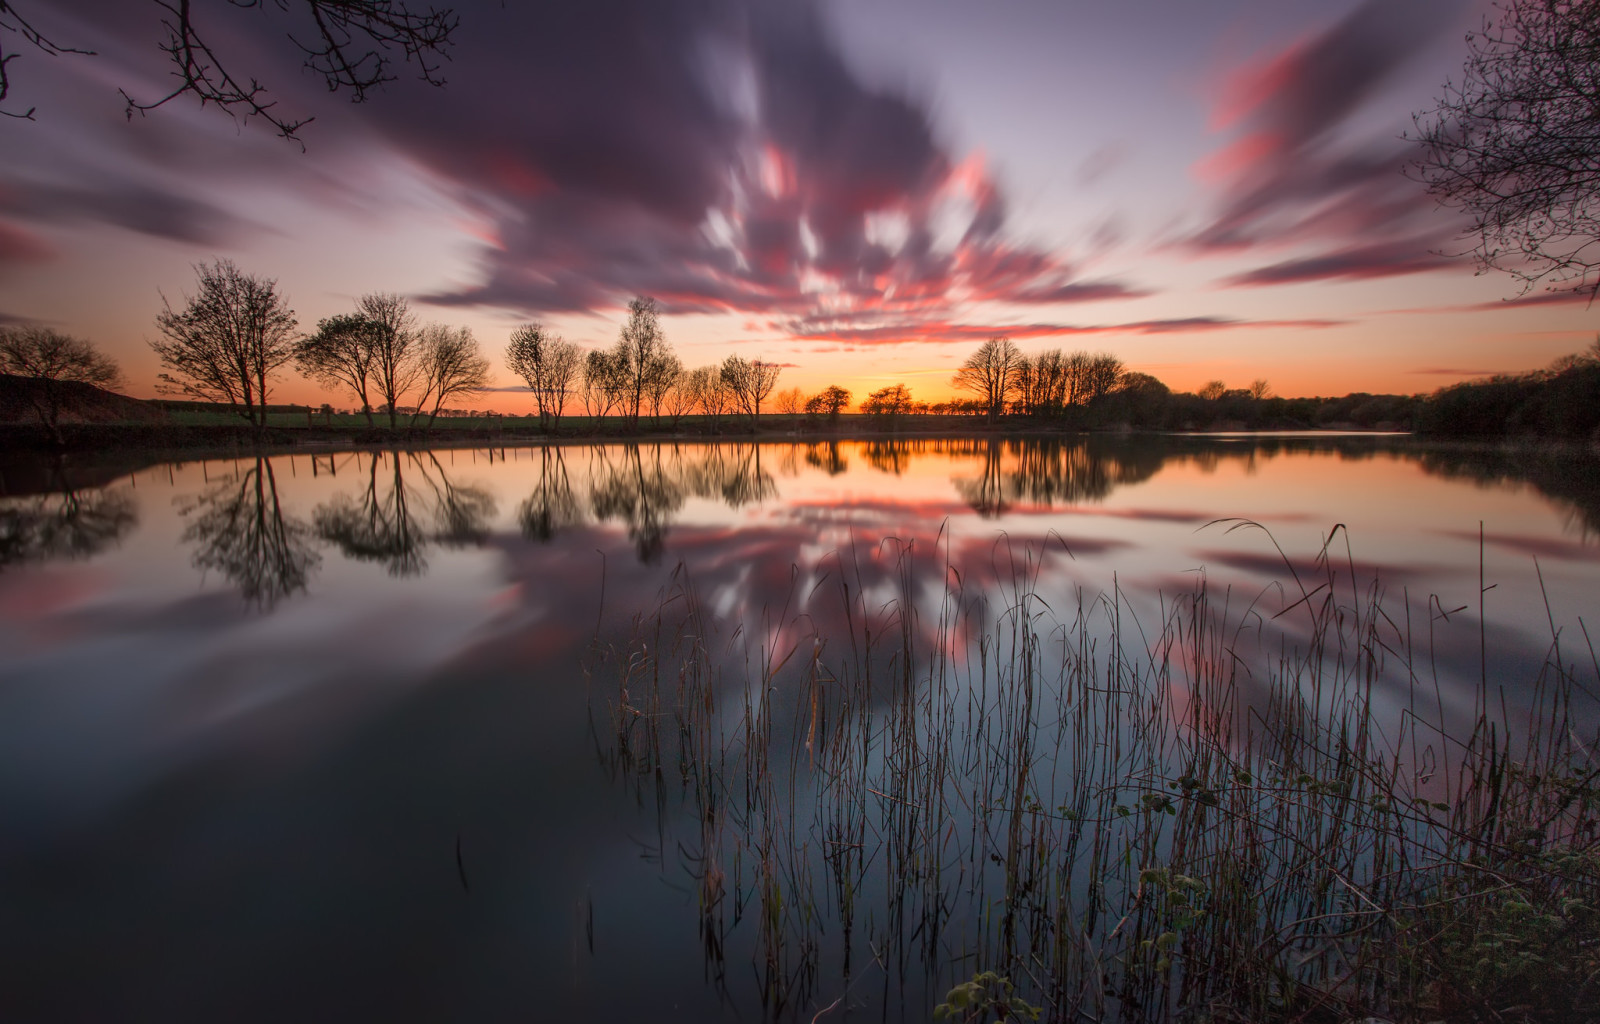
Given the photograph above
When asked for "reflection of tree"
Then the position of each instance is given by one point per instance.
(986, 493)
(1048, 471)
(64, 525)
(553, 505)
(641, 492)
(745, 482)
(461, 514)
(239, 530)
(827, 457)
(1569, 480)
(889, 456)
(645, 488)
(393, 521)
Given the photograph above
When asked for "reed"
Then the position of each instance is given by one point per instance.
(974, 801)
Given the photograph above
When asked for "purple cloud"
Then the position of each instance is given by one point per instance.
(1299, 174)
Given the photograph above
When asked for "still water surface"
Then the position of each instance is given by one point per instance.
(310, 737)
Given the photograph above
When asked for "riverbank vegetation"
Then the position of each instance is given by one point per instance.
(896, 789)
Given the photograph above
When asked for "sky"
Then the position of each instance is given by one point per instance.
(860, 190)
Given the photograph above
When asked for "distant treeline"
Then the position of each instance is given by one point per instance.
(231, 344)
(1562, 401)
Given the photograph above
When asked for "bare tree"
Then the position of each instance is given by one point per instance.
(684, 395)
(52, 359)
(716, 398)
(396, 367)
(790, 402)
(990, 373)
(227, 341)
(642, 355)
(351, 44)
(1212, 390)
(1517, 144)
(1259, 389)
(749, 382)
(664, 376)
(449, 364)
(549, 365)
(1100, 375)
(606, 384)
(340, 354)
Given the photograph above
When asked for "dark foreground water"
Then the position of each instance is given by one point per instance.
(312, 737)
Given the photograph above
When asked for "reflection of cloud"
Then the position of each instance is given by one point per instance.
(1530, 544)
(1313, 570)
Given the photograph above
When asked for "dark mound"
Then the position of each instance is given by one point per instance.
(80, 403)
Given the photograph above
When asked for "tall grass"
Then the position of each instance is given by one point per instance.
(894, 799)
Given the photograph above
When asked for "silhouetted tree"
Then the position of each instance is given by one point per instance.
(642, 356)
(448, 364)
(711, 392)
(749, 382)
(396, 348)
(662, 382)
(1260, 389)
(605, 383)
(227, 341)
(830, 402)
(52, 358)
(349, 43)
(1099, 375)
(340, 354)
(240, 530)
(550, 366)
(1516, 145)
(888, 403)
(1211, 391)
(991, 374)
(684, 395)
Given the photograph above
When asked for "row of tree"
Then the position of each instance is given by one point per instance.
(639, 374)
(229, 342)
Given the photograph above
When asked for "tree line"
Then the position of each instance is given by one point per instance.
(230, 342)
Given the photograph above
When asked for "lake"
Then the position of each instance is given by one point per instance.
(361, 734)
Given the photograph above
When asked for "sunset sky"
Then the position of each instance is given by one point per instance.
(863, 189)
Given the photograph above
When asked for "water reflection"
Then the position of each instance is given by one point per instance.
(1572, 484)
(1049, 471)
(554, 505)
(645, 488)
(394, 519)
(240, 530)
(64, 524)
(827, 457)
